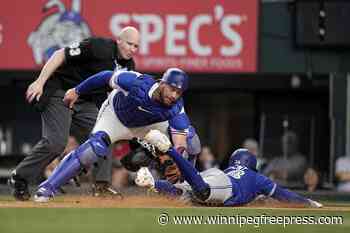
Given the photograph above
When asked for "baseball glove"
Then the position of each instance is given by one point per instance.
(169, 169)
(141, 154)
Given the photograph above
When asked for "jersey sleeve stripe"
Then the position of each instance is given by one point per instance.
(182, 132)
(113, 82)
(273, 190)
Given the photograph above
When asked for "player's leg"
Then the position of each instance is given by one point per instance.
(107, 130)
(83, 121)
(83, 157)
(220, 186)
(56, 120)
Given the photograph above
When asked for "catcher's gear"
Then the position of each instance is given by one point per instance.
(159, 140)
(141, 155)
(151, 148)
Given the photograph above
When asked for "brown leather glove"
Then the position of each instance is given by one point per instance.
(169, 169)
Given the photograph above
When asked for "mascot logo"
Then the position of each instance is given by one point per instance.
(58, 30)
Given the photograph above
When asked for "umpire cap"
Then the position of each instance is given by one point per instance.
(243, 157)
(176, 77)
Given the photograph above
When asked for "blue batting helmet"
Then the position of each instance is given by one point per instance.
(176, 78)
(244, 158)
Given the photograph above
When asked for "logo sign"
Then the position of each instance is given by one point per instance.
(59, 29)
(197, 36)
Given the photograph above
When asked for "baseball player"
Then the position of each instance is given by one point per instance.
(137, 104)
(141, 156)
(239, 184)
(65, 69)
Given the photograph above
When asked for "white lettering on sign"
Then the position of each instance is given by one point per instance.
(181, 33)
(172, 35)
(148, 36)
(195, 44)
(231, 35)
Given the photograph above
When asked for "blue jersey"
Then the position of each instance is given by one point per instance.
(134, 106)
(247, 185)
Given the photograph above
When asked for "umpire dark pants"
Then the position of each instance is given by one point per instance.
(58, 122)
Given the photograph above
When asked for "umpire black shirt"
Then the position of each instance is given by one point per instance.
(84, 59)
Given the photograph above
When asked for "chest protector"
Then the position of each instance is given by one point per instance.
(136, 108)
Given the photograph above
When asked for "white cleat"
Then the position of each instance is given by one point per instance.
(144, 178)
(43, 195)
(315, 204)
(41, 199)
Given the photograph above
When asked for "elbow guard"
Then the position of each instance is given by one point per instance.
(202, 195)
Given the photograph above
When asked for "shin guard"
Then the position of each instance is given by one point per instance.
(83, 157)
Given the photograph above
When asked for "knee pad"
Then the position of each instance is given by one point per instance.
(100, 143)
(96, 146)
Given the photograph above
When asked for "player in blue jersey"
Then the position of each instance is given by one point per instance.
(239, 184)
(140, 156)
(137, 104)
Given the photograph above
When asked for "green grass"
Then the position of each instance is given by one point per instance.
(96, 220)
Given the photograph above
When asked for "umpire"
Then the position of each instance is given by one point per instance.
(64, 70)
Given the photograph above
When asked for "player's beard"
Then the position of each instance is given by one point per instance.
(165, 100)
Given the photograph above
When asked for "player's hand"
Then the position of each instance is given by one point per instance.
(159, 140)
(70, 97)
(35, 90)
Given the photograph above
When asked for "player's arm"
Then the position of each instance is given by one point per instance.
(95, 81)
(191, 175)
(271, 189)
(121, 79)
(73, 54)
(179, 126)
(178, 129)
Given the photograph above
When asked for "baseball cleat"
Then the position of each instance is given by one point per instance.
(315, 204)
(144, 178)
(20, 187)
(43, 195)
(104, 189)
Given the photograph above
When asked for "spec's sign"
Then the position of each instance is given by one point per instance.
(198, 36)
